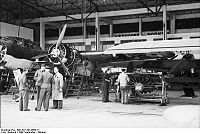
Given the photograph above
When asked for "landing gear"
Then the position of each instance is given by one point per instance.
(164, 100)
(4, 81)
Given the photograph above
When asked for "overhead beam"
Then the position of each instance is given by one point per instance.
(107, 21)
(96, 6)
(136, 20)
(9, 11)
(55, 24)
(52, 10)
(148, 8)
(118, 13)
(23, 2)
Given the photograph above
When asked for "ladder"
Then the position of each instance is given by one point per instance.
(75, 83)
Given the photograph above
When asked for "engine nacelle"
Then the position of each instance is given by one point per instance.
(65, 53)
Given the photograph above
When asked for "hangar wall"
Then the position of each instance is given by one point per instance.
(12, 30)
(123, 26)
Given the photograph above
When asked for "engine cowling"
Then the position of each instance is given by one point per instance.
(70, 57)
(66, 53)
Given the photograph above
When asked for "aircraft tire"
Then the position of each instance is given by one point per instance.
(3, 86)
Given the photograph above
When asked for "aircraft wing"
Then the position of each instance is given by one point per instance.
(97, 56)
(164, 56)
(150, 50)
(157, 49)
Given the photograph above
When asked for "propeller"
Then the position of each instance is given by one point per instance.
(64, 67)
(56, 52)
(61, 36)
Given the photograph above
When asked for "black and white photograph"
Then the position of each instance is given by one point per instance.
(99, 64)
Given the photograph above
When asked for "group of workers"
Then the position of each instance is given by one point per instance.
(122, 82)
(46, 84)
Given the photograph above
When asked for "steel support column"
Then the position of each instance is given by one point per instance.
(111, 30)
(164, 21)
(172, 24)
(42, 34)
(59, 31)
(84, 29)
(83, 20)
(97, 31)
(140, 26)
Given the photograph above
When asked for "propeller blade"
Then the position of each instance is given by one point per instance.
(61, 36)
(64, 67)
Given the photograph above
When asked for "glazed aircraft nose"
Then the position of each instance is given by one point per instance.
(3, 50)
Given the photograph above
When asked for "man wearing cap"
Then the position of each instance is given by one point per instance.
(106, 81)
(23, 91)
(123, 80)
(38, 83)
(46, 78)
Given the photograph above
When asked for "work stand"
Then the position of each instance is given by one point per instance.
(150, 82)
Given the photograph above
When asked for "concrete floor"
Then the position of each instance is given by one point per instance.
(89, 111)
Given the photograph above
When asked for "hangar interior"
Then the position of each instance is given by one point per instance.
(96, 25)
(158, 41)
(115, 21)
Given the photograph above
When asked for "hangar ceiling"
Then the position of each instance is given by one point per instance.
(11, 10)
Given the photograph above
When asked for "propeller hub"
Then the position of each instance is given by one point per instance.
(139, 87)
(63, 53)
(55, 52)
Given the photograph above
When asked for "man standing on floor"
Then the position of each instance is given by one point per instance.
(57, 92)
(46, 78)
(23, 91)
(123, 80)
(38, 83)
(106, 81)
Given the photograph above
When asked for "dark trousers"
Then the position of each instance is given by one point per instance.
(38, 88)
(23, 100)
(44, 98)
(105, 97)
(57, 104)
(124, 94)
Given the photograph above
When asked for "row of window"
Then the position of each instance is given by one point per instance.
(128, 27)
